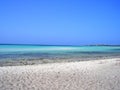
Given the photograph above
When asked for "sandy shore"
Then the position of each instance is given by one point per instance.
(86, 75)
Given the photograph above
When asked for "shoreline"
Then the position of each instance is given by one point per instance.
(10, 62)
(89, 75)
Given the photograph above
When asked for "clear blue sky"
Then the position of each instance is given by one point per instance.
(72, 22)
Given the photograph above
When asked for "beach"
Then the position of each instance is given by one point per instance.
(59, 44)
(85, 75)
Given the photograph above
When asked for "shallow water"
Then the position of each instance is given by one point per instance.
(37, 52)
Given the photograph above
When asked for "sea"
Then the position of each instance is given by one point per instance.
(54, 53)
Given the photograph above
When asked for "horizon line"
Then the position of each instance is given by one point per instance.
(62, 45)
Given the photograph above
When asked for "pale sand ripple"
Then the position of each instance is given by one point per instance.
(86, 75)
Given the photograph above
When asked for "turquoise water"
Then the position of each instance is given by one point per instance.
(36, 52)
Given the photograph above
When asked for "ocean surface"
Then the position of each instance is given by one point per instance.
(41, 52)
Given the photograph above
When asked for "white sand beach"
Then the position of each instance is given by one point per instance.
(85, 75)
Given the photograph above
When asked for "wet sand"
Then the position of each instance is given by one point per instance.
(84, 75)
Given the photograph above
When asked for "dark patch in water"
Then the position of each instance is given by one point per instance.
(54, 56)
(116, 50)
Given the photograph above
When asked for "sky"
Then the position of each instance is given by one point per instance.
(60, 22)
